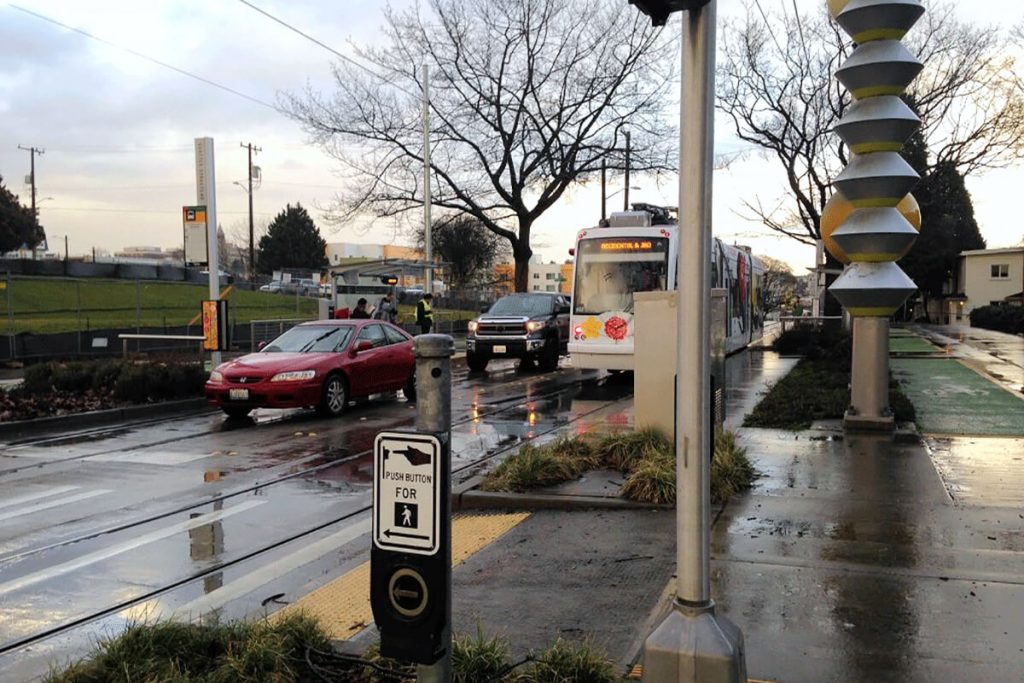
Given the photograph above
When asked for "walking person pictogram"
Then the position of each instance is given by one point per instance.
(407, 515)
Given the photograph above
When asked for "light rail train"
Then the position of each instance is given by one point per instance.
(638, 251)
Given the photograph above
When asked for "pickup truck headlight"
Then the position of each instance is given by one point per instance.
(535, 326)
(473, 324)
(295, 376)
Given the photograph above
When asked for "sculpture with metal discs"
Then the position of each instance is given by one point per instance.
(876, 232)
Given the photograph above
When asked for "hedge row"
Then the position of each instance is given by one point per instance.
(122, 380)
(1002, 318)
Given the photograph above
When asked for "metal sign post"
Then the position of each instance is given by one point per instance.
(206, 195)
(693, 643)
(411, 557)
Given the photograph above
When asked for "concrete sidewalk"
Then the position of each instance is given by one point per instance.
(854, 558)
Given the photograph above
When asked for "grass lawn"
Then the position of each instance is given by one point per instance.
(47, 305)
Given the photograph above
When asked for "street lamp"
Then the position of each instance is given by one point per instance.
(606, 197)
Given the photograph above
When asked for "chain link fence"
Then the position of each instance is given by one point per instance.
(58, 317)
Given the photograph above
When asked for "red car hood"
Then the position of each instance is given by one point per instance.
(260, 364)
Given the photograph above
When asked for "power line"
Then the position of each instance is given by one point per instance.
(328, 48)
(146, 57)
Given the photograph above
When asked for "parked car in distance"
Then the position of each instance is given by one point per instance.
(322, 364)
(272, 286)
(529, 326)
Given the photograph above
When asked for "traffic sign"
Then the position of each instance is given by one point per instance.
(407, 492)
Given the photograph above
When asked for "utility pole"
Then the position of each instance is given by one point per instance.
(625, 195)
(252, 247)
(32, 152)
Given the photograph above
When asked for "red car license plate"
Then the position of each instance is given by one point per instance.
(238, 394)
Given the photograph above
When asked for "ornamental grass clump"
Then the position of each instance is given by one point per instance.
(532, 467)
(731, 471)
(653, 480)
(620, 451)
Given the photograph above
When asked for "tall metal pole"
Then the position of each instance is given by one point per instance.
(693, 386)
(693, 643)
(206, 194)
(429, 247)
(625, 196)
(434, 416)
(604, 199)
(252, 245)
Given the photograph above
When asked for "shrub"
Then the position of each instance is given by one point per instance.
(1000, 317)
(171, 651)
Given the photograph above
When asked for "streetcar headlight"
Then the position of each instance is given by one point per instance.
(294, 376)
(216, 376)
(535, 325)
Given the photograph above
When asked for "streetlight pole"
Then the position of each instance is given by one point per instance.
(693, 643)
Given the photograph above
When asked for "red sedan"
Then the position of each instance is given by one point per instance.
(322, 364)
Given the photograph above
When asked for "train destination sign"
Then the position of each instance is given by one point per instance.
(627, 245)
(407, 503)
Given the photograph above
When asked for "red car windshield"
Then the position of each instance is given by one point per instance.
(311, 339)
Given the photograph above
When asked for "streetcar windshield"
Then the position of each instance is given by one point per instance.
(610, 269)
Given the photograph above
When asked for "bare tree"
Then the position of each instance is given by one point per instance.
(777, 279)
(527, 98)
(777, 84)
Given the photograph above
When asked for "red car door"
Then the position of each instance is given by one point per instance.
(400, 357)
(367, 371)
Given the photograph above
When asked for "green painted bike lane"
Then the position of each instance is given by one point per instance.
(950, 398)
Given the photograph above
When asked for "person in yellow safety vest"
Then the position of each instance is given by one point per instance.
(425, 314)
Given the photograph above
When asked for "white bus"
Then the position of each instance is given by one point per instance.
(637, 252)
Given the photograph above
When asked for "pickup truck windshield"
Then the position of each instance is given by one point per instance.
(526, 304)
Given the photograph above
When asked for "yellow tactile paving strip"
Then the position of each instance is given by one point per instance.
(343, 605)
(637, 672)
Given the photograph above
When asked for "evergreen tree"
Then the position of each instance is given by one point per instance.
(948, 226)
(469, 250)
(17, 224)
(292, 241)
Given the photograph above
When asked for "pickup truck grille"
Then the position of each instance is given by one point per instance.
(501, 329)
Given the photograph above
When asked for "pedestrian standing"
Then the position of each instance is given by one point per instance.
(360, 310)
(386, 309)
(425, 314)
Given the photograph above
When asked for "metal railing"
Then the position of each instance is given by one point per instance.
(266, 330)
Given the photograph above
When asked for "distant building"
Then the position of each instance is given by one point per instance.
(148, 253)
(984, 277)
(542, 277)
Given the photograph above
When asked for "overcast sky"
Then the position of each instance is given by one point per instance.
(118, 130)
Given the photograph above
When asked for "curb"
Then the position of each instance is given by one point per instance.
(483, 500)
(96, 418)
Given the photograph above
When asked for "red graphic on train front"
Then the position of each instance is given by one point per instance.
(616, 328)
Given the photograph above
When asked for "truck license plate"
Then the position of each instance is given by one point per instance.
(238, 394)
(499, 349)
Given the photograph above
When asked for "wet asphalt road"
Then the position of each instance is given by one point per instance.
(143, 521)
